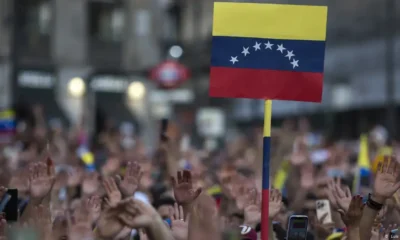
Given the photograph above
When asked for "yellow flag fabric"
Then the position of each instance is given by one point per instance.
(281, 176)
(256, 20)
(363, 158)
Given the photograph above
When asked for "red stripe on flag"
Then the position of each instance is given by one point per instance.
(265, 214)
(265, 84)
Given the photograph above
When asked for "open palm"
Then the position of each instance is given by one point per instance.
(183, 188)
(386, 183)
(131, 181)
(179, 229)
(41, 180)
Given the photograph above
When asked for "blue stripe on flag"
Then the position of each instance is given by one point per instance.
(7, 124)
(364, 172)
(266, 160)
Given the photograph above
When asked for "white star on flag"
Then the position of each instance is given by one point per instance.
(280, 48)
(268, 45)
(233, 60)
(289, 54)
(257, 46)
(295, 63)
(245, 51)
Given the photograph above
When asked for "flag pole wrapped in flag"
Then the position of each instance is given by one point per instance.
(363, 175)
(266, 161)
(268, 51)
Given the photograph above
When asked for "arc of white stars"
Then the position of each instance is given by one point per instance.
(234, 60)
(295, 63)
(268, 45)
(281, 48)
(289, 54)
(245, 51)
(257, 46)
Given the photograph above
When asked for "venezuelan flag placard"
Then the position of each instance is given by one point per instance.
(268, 51)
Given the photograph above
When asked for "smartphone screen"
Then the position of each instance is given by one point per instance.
(11, 207)
(297, 227)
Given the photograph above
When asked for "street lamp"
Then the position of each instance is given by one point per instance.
(136, 91)
(76, 87)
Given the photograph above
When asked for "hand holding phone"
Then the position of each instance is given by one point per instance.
(297, 227)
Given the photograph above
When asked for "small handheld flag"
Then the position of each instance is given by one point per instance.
(268, 51)
(363, 165)
(7, 125)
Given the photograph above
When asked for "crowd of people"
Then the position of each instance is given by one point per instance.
(193, 194)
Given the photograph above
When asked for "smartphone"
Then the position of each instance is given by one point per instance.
(297, 227)
(324, 208)
(11, 207)
(164, 127)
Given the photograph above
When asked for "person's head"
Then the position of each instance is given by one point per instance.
(164, 205)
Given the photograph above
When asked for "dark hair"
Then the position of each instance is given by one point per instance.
(164, 201)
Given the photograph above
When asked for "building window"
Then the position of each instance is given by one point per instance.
(106, 21)
(35, 18)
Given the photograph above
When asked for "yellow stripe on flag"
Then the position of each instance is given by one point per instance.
(88, 158)
(7, 114)
(274, 21)
(281, 176)
(267, 118)
(363, 158)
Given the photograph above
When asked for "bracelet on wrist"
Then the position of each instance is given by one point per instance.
(373, 205)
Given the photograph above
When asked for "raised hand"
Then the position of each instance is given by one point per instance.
(113, 194)
(275, 203)
(386, 183)
(138, 214)
(80, 226)
(109, 225)
(352, 216)
(330, 192)
(131, 181)
(252, 209)
(90, 183)
(93, 205)
(179, 225)
(183, 188)
(42, 177)
(342, 196)
(376, 233)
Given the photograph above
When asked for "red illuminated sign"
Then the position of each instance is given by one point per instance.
(170, 74)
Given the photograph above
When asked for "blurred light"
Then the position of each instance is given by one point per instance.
(342, 96)
(136, 91)
(76, 87)
(176, 51)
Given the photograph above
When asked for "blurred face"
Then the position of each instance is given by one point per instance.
(164, 211)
